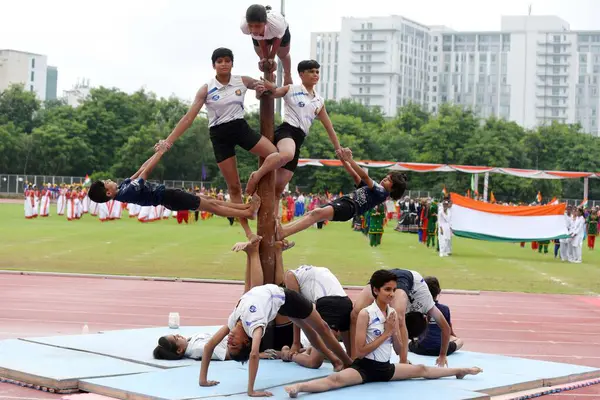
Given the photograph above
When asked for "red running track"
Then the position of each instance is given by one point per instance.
(546, 327)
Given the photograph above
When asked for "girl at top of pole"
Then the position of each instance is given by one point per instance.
(270, 34)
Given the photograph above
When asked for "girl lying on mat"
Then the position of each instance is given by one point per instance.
(376, 333)
(176, 347)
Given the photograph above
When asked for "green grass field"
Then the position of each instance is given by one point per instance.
(201, 250)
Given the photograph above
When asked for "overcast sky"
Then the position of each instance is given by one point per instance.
(165, 46)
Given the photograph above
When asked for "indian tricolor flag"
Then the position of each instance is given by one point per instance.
(493, 222)
(87, 180)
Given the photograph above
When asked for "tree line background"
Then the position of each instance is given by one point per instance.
(112, 133)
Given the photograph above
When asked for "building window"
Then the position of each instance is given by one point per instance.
(555, 113)
(556, 38)
(33, 63)
(31, 88)
(334, 90)
(32, 76)
(369, 25)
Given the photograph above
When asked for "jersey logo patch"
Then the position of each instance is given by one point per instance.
(238, 92)
(216, 97)
(377, 332)
(301, 104)
(252, 309)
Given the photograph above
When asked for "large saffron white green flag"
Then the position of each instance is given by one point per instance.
(493, 222)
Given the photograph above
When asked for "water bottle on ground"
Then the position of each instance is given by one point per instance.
(174, 320)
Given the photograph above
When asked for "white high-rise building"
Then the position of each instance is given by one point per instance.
(533, 71)
(78, 94)
(28, 69)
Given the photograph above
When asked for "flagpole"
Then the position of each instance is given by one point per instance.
(486, 179)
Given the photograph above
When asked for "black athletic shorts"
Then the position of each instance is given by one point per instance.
(285, 131)
(296, 305)
(225, 137)
(335, 311)
(415, 347)
(284, 336)
(285, 39)
(404, 280)
(179, 200)
(344, 209)
(374, 371)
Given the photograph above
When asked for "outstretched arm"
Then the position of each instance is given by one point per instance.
(351, 172)
(346, 155)
(275, 48)
(253, 364)
(151, 163)
(209, 348)
(142, 168)
(253, 84)
(276, 92)
(188, 118)
(445, 328)
(326, 121)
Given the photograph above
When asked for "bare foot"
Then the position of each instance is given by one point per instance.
(251, 185)
(254, 238)
(284, 244)
(468, 371)
(239, 246)
(292, 390)
(278, 230)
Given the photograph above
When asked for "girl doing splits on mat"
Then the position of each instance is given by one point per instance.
(413, 297)
(255, 309)
(376, 333)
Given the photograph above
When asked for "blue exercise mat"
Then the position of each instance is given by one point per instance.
(134, 345)
(57, 368)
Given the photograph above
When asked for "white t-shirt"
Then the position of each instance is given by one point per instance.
(196, 343)
(275, 27)
(225, 103)
(301, 107)
(375, 328)
(257, 308)
(422, 301)
(317, 282)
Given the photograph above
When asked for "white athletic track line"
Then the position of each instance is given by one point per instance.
(82, 322)
(554, 315)
(538, 356)
(74, 296)
(465, 309)
(496, 322)
(3, 397)
(39, 310)
(472, 339)
(567, 393)
(121, 303)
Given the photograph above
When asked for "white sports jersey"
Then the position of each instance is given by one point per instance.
(317, 282)
(275, 27)
(301, 107)
(225, 103)
(196, 343)
(375, 328)
(257, 307)
(422, 301)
